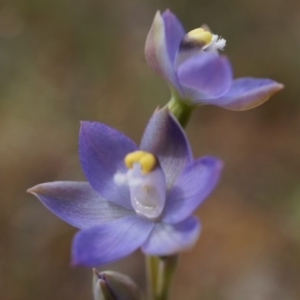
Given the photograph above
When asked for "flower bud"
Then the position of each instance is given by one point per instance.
(110, 285)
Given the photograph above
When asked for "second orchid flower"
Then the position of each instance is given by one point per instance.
(196, 73)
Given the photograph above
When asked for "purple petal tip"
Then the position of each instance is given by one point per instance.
(167, 12)
(212, 161)
(37, 189)
(280, 86)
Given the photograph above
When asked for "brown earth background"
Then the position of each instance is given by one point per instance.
(62, 61)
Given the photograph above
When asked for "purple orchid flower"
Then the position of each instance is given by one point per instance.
(135, 197)
(196, 73)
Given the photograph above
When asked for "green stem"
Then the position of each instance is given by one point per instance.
(152, 271)
(160, 275)
(167, 267)
(182, 110)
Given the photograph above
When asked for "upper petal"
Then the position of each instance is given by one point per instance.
(174, 33)
(167, 239)
(205, 75)
(102, 150)
(77, 203)
(110, 241)
(193, 185)
(165, 138)
(162, 44)
(247, 92)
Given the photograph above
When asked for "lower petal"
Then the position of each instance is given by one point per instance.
(246, 93)
(167, 239)
(77, 203)
(205, 75)
(110, 241)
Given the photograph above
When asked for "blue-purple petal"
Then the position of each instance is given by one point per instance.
(110, 241)
(205, 75)
(77, 203)
(102, 150)
(174, 33)
(246, 93)
(193, 185)
(168, 239)
(165, 33)
(165, 138)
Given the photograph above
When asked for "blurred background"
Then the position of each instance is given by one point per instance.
(62, 61)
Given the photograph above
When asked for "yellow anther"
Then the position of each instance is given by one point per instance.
(132, 157)
(200, 35)
(146, 160)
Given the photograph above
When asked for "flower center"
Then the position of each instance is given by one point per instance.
(146, 160)
(197, 41)
(147, 183)
(202, 39)
(196, 38)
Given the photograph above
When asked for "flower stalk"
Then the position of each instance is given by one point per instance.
(151, 273)
(181, 110)
(160, 271)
